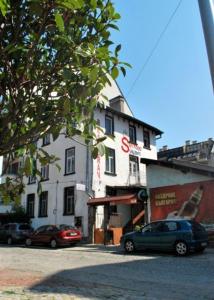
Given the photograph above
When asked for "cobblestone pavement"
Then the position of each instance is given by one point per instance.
(99, 272)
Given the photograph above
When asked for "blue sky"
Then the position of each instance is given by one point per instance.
(174, 92)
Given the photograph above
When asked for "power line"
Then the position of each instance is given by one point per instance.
(155, 47)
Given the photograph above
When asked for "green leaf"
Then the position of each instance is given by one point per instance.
(59, 22)
(101, 139)
(126, 64)
(123, 71)
(101, 149)
(114, 72)
(94, 74)
(28, 166)
(67, 106)
(116, 16)
(113, 26)
(95, 153)
(93, 3)
(117, 49)
(4, 6)
(55, 134)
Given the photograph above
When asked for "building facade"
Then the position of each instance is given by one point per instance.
(65, 193)
(199, 152)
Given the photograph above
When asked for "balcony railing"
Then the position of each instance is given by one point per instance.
(137, 178)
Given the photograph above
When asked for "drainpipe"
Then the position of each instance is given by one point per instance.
(56, 202)
(206, 8)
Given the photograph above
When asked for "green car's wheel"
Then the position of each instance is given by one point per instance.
(129, 246)
(181, 248)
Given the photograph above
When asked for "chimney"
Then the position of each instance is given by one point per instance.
(194, 142)
(117, 103)
(165, 148)
(187, 143)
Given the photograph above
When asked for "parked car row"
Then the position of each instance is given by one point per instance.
(51, 235)
(181, 236)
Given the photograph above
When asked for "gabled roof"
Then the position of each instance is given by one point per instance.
(184, 166)
(132, 119)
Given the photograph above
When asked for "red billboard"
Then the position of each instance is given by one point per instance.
(191, 200)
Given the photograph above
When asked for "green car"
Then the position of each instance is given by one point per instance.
(181, 236)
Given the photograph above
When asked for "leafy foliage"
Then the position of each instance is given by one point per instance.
(54, 61)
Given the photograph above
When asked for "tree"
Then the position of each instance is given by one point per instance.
(55, 59)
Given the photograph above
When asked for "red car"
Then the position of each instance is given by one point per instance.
(54, 236)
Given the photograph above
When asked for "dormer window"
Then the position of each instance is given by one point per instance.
(132, 134)
(109, 125)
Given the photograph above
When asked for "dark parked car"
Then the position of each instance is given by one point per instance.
(54, 236)
(182, 236)
(15, 232)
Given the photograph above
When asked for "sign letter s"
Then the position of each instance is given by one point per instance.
(125, 144)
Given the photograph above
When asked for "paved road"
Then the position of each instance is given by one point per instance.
(98, 272)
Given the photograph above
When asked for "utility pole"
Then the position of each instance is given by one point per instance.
(206, 8)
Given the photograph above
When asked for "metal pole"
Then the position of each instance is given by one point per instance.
(206, 8)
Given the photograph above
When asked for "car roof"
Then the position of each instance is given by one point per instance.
(174, 220)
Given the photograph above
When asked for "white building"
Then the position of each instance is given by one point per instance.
(65, 193)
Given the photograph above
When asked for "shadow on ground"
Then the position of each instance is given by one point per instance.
(143, 277)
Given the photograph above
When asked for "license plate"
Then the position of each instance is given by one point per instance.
(203, 244)
(73, 233)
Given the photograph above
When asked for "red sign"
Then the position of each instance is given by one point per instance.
(191, 200)
(128, 147)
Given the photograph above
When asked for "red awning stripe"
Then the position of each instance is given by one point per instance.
(123, 199)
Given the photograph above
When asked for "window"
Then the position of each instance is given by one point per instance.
(31, 179)
(109, 125)
(110, 161)
(133, 165)
(132, 134)
(43, 204)
(70, 161)
(69, 200)
(45, 172)
(152, 227)
(30, 205)
(13, 168)
(46, 139)
(170, 226)
(146, 139)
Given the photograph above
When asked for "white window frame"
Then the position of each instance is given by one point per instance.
(110, 161)
(45, 172)
(109, 125)
(70, 161)
(133, 165)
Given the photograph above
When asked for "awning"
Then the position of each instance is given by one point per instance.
(114, 200)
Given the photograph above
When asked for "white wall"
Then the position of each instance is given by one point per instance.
(158, 176)
(58, 181)
(122, 178)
